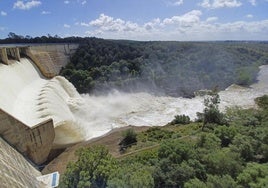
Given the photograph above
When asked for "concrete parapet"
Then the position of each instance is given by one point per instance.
(34, 143)
(3, 56)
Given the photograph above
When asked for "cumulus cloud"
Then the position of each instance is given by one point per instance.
(3, 13)
(66, 2)
(45, 12)
(178, 3)
(211, 19)
(153, 24)
(83, 24)
(185, 20)
(83, 2)
(26, 5)
(107, 23)
(253, 2)
(213, 4)
(188, 26)
(66, 26)
(249, 16)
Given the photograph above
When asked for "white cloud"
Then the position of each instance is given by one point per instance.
(83, 2)
(66, 26)
(249, 16)
(3, 13)
(45, 12)
(211, 19)
(107, 23)
(213, 4)
(26, 5)
(66, 2)
(185, 20)
(253, 2)
(2, 28)
(84, 24)
(188, 26)
(178, 3)
(153, 24)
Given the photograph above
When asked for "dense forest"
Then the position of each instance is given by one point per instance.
(172, 68)
(220, 150)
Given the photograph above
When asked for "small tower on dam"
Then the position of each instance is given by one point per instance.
(9, 53)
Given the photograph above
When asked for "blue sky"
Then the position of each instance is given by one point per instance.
(178, 20)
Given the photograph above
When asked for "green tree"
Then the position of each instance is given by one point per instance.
(223, 162)
(254, 176)
(244, 146)
(211, 112)
(133, 174)
(224, 181)
(92, 169)
(129, 138)
(177, 164)
(180, 119)
(226, 134)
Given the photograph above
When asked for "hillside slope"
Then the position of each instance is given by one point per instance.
(172, 68)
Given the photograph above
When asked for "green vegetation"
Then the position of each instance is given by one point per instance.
(180, 119)
(211, 114)
(129, 138)
(92, 169)
(173, 68)
(234, 154)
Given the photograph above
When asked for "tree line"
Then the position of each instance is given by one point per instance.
(172, 68)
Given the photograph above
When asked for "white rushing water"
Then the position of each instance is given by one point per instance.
(29, 97)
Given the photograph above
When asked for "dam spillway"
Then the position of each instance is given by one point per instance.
(26, 74)
(32, 99)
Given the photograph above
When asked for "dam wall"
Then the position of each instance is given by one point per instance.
(35, 143)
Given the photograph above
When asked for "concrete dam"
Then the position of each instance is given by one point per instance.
(35, 104)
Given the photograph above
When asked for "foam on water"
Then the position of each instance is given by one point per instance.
(32, 99)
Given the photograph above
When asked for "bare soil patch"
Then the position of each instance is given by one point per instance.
(110, 140)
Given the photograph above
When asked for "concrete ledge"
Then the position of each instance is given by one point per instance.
(34, 143)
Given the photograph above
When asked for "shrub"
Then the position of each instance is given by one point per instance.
(92, 169)
(157, 134)
(129, 138)
(181, 119)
